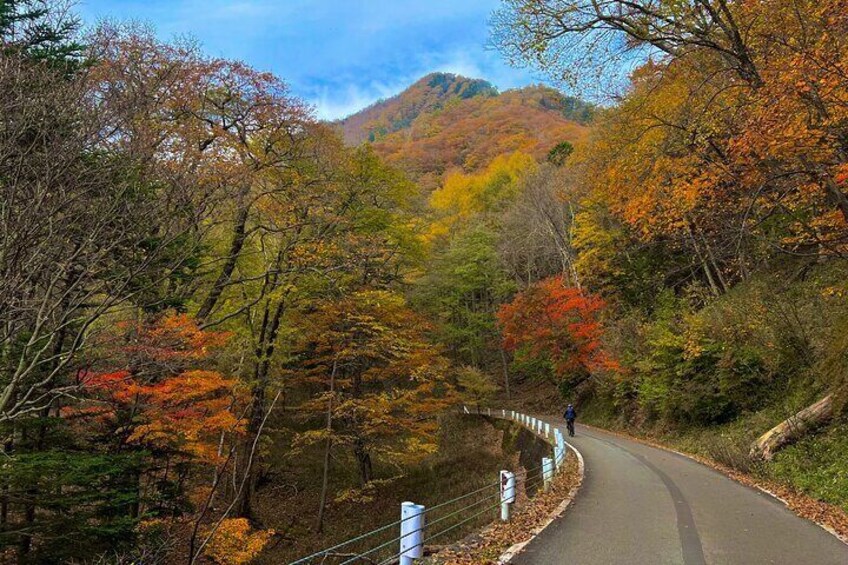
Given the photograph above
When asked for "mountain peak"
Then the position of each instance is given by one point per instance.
(456, 85)
(428, 94)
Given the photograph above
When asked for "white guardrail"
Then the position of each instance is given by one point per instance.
(419, 525)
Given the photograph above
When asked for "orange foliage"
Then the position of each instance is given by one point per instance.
(559, 323)
(468, 133)
(693, 148)
(388, 382)
(235, 543)
(158, 401)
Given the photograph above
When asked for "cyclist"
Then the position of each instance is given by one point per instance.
(570, 416)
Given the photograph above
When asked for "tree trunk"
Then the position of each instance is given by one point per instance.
(505, 367)
(236, 244)
(792, 428)
(704, 265)
(366, 471)
(264, 354)
(329, 445)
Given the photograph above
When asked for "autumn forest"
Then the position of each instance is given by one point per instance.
(227, 327)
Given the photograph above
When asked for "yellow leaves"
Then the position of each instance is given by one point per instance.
(838, 292)
(462, 196)
(361, 495)
(236, 543)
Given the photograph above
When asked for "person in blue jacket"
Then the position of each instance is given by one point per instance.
(570, 416)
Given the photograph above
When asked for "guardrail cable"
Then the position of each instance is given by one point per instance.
(530, 478)
(463, 509)
(463, 497)
(458, 524)
(344, 543)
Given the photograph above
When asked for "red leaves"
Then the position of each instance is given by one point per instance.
(559, 323)
(159, 400)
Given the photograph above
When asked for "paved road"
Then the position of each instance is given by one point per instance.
(642, 505)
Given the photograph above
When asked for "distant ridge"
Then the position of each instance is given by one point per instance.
(428, 94)
(446, 121)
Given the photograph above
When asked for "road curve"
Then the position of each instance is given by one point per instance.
(643, 505)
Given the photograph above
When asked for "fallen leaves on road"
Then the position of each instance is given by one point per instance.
(485, 547)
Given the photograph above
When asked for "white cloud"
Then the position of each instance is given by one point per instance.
(340, 55)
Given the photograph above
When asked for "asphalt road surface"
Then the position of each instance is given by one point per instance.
(641, 505)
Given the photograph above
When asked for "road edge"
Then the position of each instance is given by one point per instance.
(515, 549)
(733, 475)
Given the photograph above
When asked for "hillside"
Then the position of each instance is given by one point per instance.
(428, 94)
(445, 122)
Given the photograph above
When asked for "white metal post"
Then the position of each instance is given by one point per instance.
(547, 471)
(547, 429)
(411, 532)
(507, 493)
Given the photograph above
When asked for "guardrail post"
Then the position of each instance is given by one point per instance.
(507, 493)
(547, 429)
(547, 471)
(411, 532)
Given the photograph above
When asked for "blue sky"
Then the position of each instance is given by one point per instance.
(340, 55)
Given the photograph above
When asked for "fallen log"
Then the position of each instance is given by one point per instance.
(792, 428)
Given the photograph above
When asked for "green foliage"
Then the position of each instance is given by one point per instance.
(688, 375)
(475, 385)
(35, 28)
(85, 501)
(817, 464)
(560, 153)
(462, 290)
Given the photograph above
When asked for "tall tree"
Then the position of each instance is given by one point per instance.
(381, 383)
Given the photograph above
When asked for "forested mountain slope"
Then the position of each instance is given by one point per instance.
(428, 94)
(227, 324)
(445, 122)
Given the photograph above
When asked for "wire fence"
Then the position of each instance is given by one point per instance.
(445, 521)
